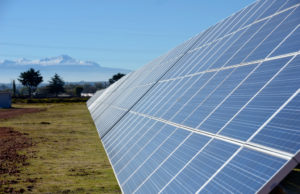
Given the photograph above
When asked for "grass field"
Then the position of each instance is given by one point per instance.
(66, 156)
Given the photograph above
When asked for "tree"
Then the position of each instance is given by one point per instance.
(31, 79)
(115, 78)
(14, 89)
(78, 90)
(89, 88)
(56, 85)
(99, 85)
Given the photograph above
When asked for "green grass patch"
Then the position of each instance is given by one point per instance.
(49, 100)
(67, 156)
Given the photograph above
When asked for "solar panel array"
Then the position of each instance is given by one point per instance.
(217, 114)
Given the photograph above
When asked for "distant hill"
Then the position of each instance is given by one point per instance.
(70, 69)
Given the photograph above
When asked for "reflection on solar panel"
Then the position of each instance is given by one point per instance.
(217, 114)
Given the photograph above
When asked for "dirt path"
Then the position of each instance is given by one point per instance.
(14, 112)
(11, 143)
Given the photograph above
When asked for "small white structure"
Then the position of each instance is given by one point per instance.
(87, 94)
(5, 100)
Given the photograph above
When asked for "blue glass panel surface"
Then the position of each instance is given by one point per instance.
(248, 13)
(184, 97)
(202, 167)
(202, 37)
(283, 131)
(199, 63)
(117, 131)
(137, 161)
(264, 72)
(132, 133)
(288, 4)
(175, 162)
(170, 96)
(156, 100)
(275, 6)
(210, 56)
(217, 96)
(280, 30)
(110, 118)
(149, 98)
(136, 144)
(234, 43)
(221, 81)
(245, 173)
(265, 103)
(291, 44)
(256, 38)
(187, 63)
(152, 163)
(204, 90)
(259, 11)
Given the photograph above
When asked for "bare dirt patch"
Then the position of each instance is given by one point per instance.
(14, 112)
(11, 143)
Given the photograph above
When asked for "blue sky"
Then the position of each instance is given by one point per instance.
(113, 33)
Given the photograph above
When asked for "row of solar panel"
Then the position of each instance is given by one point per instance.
(233, 99)
(101, 98)
(159, 156)
(209, 80)
(128, 93)
(183, 123)
(130, 87)
(95, 98)
(250, 44)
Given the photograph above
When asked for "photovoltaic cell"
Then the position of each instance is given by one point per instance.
(201, 168)
(283, 131)
(245, 173)
(217, 114)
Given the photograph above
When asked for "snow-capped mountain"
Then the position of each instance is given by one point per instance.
(70, 69)
(52, 61)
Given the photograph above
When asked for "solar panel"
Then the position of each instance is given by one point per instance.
(217, 114)
(95, 97)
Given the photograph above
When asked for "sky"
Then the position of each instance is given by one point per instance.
(114, 33)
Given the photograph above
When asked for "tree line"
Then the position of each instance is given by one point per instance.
(32, 79)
